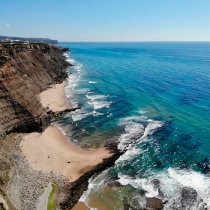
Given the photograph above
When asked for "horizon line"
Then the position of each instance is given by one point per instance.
(137, 41)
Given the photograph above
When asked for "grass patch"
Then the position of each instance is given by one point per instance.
(52, 199)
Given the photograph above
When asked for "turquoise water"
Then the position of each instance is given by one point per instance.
(158, 90)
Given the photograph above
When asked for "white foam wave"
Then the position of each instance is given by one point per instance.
(151, 127)
(95, 97)
(72, 82)
(98, 101)
(130, 119)
(83, 90)
(73, 79)
(94, 184)
(79, 115)
(78, 67)
(129, 154)
(171, 183)
(173, 180)
(97, 113)
(100, 104)
(133, 131)
(69, 59)
(139, 184)
(92, 82)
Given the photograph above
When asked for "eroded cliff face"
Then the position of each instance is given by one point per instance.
(26, 69)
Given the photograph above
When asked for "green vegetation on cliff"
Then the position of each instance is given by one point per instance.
(52, 199)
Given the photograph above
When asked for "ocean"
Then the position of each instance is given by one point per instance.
(154, 99)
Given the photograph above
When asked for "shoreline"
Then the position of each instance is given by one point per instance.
(54, 98)
(53, 152)
(74, 190)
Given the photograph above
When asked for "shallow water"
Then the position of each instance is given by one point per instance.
(154, 99)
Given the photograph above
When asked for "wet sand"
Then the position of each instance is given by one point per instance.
(80, 206)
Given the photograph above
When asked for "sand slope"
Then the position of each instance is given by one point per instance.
(52, 151)
(54, 98)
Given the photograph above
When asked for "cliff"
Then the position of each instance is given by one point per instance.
(25, 71)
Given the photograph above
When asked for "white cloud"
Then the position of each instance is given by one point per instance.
(7, 25)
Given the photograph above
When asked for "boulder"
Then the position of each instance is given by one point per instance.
(188, 195)
(154, 203)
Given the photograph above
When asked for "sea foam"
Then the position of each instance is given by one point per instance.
(171, 183)
(98, 101)
(135, 131)
(92, 82)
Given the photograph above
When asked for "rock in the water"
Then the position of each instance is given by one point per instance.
(154, 203)
(188, 200)
(188, 196)
(156, 183)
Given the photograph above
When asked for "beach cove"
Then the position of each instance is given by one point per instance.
(45, 167)
(51, 150)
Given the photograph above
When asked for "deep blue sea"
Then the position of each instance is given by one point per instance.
(154, 99)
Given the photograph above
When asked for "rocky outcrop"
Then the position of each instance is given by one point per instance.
(188, 199)
(25, 71)
(154, 203)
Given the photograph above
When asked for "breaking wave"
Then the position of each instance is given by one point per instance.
(98, 101)
(92, 82)
(137, 128)
(170, 186)
(136, 134)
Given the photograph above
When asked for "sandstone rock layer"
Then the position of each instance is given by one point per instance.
(26, 69)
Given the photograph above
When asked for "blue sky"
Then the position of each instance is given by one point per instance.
(107, 20)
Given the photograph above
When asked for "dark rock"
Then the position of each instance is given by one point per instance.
(156, 183)
(188, 200)
(188, 196)
(189, 193)
(154, 203)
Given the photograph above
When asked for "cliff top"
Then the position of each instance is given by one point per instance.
(42, 40)
(8, 48)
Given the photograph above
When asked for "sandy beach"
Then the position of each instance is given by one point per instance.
(54, 98)
(53, 151)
